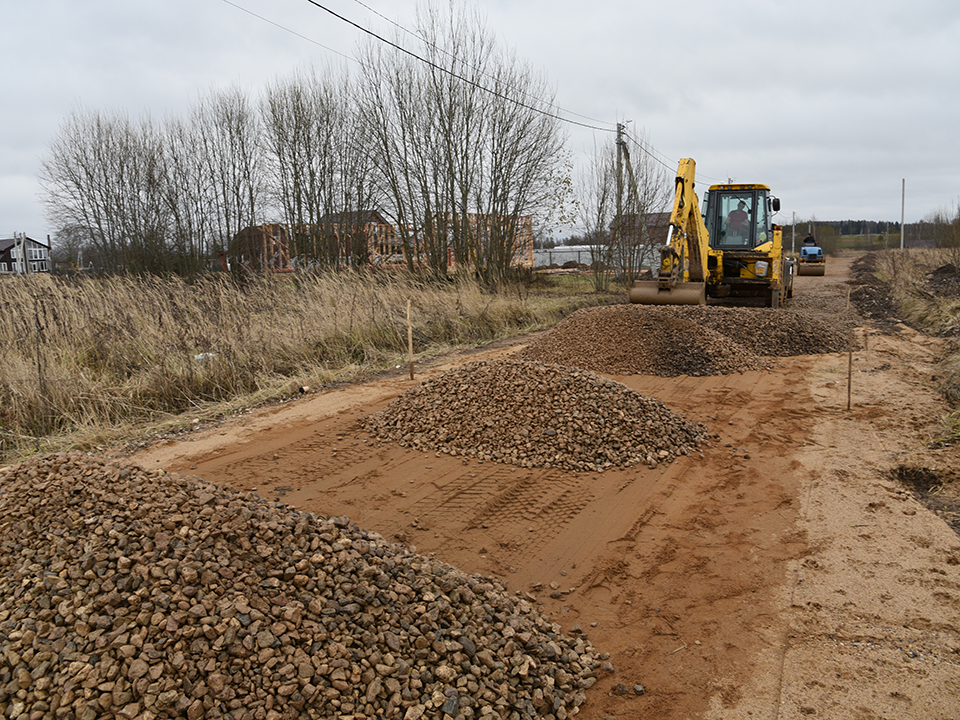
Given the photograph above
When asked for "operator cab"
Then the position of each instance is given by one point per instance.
(738, 217)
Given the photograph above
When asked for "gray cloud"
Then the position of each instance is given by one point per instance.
(829, 103)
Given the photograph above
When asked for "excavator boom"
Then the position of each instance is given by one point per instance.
(683, 259)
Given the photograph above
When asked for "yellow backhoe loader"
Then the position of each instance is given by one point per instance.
(731, 249)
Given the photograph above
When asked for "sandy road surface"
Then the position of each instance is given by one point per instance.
(780, 574)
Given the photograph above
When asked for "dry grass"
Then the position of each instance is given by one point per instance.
(83, 362)
(908, 276)
(927, 292)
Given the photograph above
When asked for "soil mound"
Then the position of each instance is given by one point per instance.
(536, 415)
(138, 594)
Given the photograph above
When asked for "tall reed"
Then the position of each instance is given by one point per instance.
(84, 357)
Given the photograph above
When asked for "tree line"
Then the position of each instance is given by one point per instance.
(426, 144)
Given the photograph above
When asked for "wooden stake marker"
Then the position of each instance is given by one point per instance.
(850, 371)
(410, 338)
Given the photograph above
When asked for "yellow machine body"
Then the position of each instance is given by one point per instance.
(731, 249)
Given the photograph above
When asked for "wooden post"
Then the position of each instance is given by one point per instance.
(410, 338)
(850, 371)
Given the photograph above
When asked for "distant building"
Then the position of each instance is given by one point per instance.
(368, 238)
(22, 255)
(261, 248)
(645, 228)
(481, 230)
(362, 238)
(484, 226)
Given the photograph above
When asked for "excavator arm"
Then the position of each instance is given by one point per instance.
(683, 259)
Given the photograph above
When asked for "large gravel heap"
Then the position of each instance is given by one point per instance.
(779, 333)
(536, 415)
(137, 594)
(685, 340)
(628, 339)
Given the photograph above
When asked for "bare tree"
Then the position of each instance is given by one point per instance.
(464, 142)
(320, 169)
(228, 135)
(598, 209)
(391, 101)
(622, 192)
(72, 246)
(191, 240)
(525, 144)
(106, 175)
(644, 189)
(945, 226)
(457, 146)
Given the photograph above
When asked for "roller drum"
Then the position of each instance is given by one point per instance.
(811, 268)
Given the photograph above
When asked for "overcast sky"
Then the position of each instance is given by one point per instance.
(831, 103)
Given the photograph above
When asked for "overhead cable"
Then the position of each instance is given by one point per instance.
(412, 54)
(286, 29)
(445, 52)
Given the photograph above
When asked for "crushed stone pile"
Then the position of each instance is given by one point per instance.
(630, 339)
(127, 593)
(536, 415)
(777, 333)
(686, 339)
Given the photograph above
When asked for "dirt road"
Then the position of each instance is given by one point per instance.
(781, 573)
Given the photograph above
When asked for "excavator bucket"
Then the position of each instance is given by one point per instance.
(649, 292)
(811, 268)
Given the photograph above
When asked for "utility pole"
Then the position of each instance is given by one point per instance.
(903, 204)
(21, 259)
(793, 235)
(618, 221)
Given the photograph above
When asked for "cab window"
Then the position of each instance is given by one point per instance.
(736, 220)
(762, 232)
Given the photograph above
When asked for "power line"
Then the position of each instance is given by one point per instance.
(672, 167)
(448, 54)
(286, 29)
(644, 147)
(412, 54)
(649, 150)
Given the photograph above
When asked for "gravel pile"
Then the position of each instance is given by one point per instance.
(777, 333)
(136, 594)
(536, 415)
(686, 339)
(631, 339)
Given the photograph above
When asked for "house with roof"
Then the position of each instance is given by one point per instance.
(643, 228)
(363, 238)
(260, 248)
(22, 255)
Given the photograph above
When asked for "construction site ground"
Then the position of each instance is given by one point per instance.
(793, 570)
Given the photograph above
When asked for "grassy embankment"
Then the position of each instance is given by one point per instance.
(87, 363)
(925, 287)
